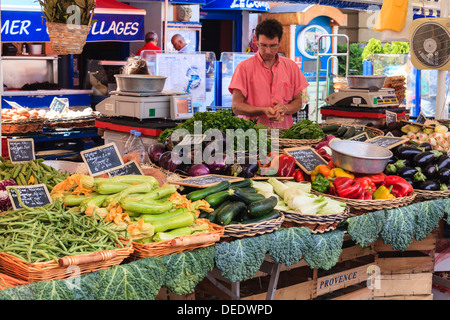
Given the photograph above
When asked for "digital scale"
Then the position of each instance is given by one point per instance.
(347, 97)
(172, 105)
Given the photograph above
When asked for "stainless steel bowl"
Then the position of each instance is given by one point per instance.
(366, 82)
(359, 157)
(140, 82)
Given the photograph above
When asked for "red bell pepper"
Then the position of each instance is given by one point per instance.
(298, 175)
(376, 178)
(286, 165)
(400, 187)
(323, 153)
(368, 186)
(347, 187)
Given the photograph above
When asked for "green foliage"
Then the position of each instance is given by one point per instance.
(372, 47)
(59, 11)
(396, 47)
(355, 58)
(322, 251)
(364, 229)
(240, 259)
(428, 215)
(375, 46)
(186, 269)
(399, 228)
(305, 129)
(287, 245)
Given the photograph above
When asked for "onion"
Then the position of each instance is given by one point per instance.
(198, 170)
(217, 163)
(170, 161)
(155, 151)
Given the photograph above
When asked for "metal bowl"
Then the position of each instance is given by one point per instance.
(140, 82)
(366, 82)
(359, 157)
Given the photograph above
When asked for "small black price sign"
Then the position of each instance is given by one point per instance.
(21, 150)
(128, 168)
(31, 196)
(387, 142)
(59, 105)
(102, 159)
(306, 158)
(421, 119)
(360, 137)
(391, 117)
(206, 180)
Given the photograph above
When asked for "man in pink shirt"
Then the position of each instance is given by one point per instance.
(266, 85)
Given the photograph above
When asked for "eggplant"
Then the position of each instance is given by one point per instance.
(444, 175)
(249, 170)
(429, 185)
(443, 162)
(198, 170)
(430, 171)
(407, 152)
(406, 172)
(424, 158)
(425, 146)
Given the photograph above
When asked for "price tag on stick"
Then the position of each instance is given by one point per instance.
(31, 196)
(128, 168)
(21, 150)
(387, 142)
(102, 159)
(391, 117)
(306, 158)
(59, 105)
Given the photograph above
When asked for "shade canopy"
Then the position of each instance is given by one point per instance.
(23, 21)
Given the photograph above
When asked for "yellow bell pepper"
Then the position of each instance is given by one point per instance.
(339, 172)
(323, 169)
(383, 193)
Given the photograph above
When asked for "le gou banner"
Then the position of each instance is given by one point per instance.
(114, 21)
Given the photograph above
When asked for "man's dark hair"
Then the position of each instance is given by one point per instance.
(151, 36)
(270, 28)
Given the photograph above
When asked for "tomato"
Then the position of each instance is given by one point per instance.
(298, 175)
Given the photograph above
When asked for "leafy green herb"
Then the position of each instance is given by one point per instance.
(305, 129)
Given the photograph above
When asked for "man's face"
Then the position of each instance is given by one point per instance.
(177, 44)
(268, 48)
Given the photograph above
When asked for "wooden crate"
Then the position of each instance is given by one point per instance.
(405, 275)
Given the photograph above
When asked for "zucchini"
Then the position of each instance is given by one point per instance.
(145, 207)
(181, 220)
(107, 187)
(150, 218)
(262, 207)
(212, 216)
(158, 193)
(245, 197)
(72, 200)
(217, 198)
(95, 200)
(246, 183)
(341, 131)
(273, 214)
(331, 128)
(203, 193)
(349, 133)
(249, 190)
(229, 211)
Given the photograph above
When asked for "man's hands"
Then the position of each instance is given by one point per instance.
(276, 113)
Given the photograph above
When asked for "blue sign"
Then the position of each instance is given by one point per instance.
(250, 5)
(29, 26)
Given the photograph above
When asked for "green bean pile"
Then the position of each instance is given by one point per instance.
(51, 232)
(22, 172)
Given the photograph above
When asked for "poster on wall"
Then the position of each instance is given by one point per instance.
(185, 72)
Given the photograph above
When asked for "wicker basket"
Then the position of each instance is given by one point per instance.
(371, 205)
(253, 229)
(284, 143)
(430, 195)
(179, 244)
(67, 38)
(373, 131)
(317, 223)
(52, 270)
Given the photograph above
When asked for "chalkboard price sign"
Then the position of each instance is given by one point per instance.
(59, 105)
(102, 159)
(205, 181)
(32, 196)
(128, 168)
(360, 137)
(387, 142)
(421, 119)
(21, 150)
(391, 117)
(306, 158)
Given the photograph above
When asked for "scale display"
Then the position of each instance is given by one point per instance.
(363, 98)
(181, 108)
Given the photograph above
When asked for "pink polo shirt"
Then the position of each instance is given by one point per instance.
(254, 79)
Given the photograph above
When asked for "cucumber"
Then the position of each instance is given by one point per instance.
(242, 184)
(273, 214)
(217, 198)
(341, 131)
(349, 133)
(203, 193)
(245, 197)
(262, 207)
(229, 211)
(331, 128)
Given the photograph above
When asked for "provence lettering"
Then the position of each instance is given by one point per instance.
(338, 279)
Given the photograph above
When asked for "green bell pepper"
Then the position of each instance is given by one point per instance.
(320, 184)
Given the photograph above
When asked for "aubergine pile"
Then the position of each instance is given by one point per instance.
(422, 166)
